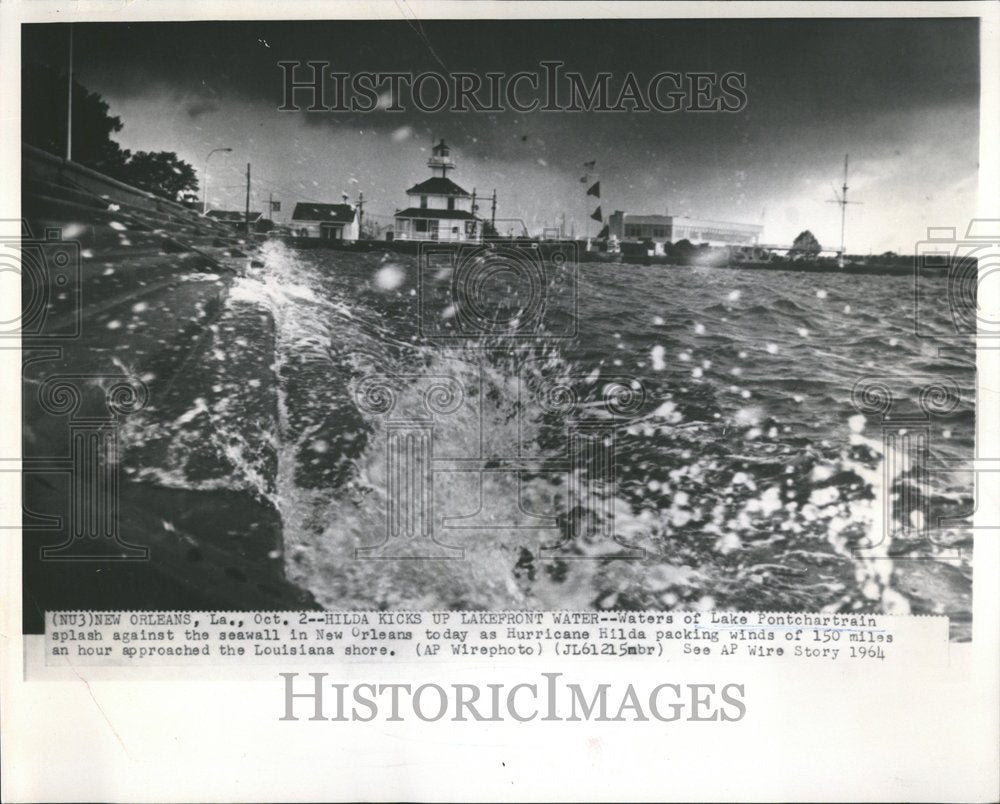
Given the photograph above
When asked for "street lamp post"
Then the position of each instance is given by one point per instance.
(204, 190)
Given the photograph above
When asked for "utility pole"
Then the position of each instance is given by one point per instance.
(361, 212)
(841, 198)
(69, 99)
(493, 212)
(475, 219)
(843, 212)
(247, 210)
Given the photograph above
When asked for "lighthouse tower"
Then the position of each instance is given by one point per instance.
(441, 160)
(438, 208)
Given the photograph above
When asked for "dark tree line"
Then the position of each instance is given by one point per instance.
(43, 124)
(806, 243)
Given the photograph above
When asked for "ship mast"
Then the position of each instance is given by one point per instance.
(841, 199)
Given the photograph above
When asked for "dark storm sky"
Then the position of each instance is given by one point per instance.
(900, 95)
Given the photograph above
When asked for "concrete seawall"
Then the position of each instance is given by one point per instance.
(128, 336)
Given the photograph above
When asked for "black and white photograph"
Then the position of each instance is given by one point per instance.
(367, 315)
(407, 340)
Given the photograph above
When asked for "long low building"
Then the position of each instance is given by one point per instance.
(674, 228)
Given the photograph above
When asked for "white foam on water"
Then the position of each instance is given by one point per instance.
(324, 527)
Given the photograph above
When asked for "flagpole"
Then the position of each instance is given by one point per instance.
(69, 99)
(594, 190)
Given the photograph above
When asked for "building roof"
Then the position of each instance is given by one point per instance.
(684, 220)
(326, 213)
(231, 216)
(436, 186)
(438, 214)
(654, 219)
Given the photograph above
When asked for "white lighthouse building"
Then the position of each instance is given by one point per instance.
(438, 208)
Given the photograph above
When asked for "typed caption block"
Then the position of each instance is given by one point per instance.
(157, 638)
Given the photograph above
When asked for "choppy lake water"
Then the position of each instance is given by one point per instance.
(742, 468)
